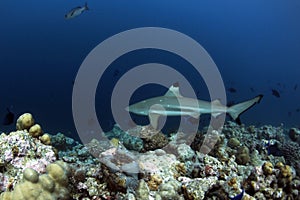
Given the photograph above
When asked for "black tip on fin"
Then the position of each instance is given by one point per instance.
(176, 84)
(260, 97)
(238, 121)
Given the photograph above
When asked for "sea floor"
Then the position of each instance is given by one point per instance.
(235, 162)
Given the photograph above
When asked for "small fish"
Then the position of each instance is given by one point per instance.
(275, 93)
(298, 110)
(252, 89)
(295, 87)
(116, 73)
(9, 117)
(239, 196)
(76, 11)
(232, 90)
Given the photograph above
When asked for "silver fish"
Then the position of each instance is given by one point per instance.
(76, 11)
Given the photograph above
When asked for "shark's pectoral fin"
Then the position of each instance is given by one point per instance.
(216, 114)
(216, 103)
(153, 117)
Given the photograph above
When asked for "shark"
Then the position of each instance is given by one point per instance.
(172, 103)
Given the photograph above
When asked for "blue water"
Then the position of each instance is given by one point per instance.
(255, 44)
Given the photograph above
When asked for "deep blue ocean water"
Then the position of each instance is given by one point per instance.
(255, 44)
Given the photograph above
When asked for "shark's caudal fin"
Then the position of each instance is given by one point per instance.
(236, 110)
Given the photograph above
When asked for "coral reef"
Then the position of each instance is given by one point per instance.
(52, 185)
(235, 162)
(129, 140)
(19, 150)
(157, 141)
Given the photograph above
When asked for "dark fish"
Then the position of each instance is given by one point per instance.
(298, 110)
(9, 118)
(76, 11)
(275, 93)
(116, 73)
(239, 196)
(252, 89)
(295, 87)
(232, 90)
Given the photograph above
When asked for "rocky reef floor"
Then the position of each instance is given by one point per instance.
(234, 162)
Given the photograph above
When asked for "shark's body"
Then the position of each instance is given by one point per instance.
(174, 104)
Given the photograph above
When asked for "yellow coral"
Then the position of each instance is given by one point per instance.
(45, 139)
(35, 130)
(155, 181)
(267, 168)
(115, 142)
(25, 121)
(181, 170)
(279, 165)
(51, 186)
(286, 171)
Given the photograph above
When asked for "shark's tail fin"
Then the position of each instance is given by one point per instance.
(236, 110)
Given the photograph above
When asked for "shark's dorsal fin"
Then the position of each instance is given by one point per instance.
(216, 102)
(174, 90)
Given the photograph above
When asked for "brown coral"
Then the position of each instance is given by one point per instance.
(267, 168)
(157, 141)
(154, 182)
(242, 155)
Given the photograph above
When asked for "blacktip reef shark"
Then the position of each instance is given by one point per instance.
(174, 104)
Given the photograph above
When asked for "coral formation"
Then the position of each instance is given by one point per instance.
(233, 142)
(19, 151)
(157, 141)
(45, 139)
(236, 162)
(25, 121)
(53, 185)
(142, 191)
(242, 155)
(35, 130)
(154, 182)
(129, 140)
